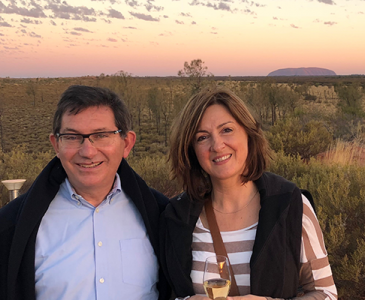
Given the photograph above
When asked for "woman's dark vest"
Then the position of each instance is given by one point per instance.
(275, 261)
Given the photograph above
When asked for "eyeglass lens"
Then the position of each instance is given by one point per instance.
(100, 139)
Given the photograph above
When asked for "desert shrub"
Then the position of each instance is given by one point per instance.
(155, 171)
(294, 138)
(20, 164)
(347, 127)
(339, 195)
(310, 97)
(350, 97)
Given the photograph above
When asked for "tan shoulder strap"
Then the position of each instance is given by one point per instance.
(218, 244)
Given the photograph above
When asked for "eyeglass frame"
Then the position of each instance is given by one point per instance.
(84, 136)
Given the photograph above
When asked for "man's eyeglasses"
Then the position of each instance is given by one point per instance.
(98, 139)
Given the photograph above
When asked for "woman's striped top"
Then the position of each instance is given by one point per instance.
(315, 276)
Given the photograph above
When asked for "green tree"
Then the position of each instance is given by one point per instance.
(350, 98)
(271, 100)
(32, 89)
(196, 73)
(254, 95)
(122, 84)
(138, 106)
(154, 103)
(288, 100)
(271, 92)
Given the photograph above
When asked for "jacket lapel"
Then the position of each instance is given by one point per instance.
(273, 205)
(275, 258)
(138, 191)
(180, 216)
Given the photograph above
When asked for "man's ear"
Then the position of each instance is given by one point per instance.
(54, 143)
(129, 141)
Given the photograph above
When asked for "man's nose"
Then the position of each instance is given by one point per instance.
(87, 148)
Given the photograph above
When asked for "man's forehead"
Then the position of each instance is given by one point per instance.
(87, 116)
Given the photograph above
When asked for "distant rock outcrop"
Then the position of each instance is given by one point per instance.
(302, 72)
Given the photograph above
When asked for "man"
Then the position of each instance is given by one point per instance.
(88, 227)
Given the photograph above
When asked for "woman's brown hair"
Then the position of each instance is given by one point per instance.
(184, 163)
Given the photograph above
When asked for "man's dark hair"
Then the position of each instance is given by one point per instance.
(79, 97)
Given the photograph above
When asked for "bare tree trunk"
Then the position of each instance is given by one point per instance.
(273, 114)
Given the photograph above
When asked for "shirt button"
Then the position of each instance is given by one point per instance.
(101, 280)
(100, 244)
(97, 209)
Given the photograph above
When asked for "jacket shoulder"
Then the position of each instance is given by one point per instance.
(183, 208)
(179, 205)
(182, 196)
(275, 184)
(161, 199)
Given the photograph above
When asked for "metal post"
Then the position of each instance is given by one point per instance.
(13, 186)
(13, 194)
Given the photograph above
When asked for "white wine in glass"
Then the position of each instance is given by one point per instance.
(217, 277)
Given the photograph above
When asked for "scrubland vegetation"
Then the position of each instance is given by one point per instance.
(315, 126)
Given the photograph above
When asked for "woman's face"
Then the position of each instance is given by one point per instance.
(221, 145)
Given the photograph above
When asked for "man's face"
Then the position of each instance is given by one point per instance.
(90, 168)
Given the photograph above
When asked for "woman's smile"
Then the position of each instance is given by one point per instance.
(223, 158)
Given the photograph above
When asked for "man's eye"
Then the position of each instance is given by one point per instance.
(70, 137)
(100, 136)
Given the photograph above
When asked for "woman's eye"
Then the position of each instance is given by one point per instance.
(201, 138)
(227, 129)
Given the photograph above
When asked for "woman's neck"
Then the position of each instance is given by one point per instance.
(231, 198)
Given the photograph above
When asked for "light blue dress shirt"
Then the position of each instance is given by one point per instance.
(94, 253)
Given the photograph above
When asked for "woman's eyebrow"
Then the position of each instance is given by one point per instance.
(225, 123)
(219, 126)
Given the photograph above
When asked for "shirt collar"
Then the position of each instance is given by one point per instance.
(117, 188)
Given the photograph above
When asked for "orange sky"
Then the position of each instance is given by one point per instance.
(51, 38)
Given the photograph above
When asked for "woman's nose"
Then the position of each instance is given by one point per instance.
(217, 144)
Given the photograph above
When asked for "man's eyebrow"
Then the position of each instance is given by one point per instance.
(219, 126)
(93, 131)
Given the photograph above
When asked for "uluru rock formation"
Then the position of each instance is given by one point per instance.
(302, 72)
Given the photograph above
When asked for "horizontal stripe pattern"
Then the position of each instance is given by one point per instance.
(239, 245)
(237, 269)
(315, 273)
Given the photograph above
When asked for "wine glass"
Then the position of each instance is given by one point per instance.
(217, 277)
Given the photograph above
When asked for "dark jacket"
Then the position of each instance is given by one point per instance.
(20, 220)
(275, 260)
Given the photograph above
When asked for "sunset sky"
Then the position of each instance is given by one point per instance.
(54, 38)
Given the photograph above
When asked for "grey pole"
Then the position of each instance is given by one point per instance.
(13, 185)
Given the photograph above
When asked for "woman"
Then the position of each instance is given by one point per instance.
(269, 229)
